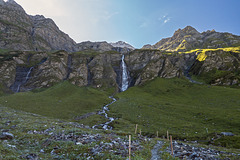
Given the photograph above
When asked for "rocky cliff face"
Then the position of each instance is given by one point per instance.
(103, 70)
(20, 31)
(189, 38)
(219, 68)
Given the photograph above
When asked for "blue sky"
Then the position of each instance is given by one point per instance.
(137, 22)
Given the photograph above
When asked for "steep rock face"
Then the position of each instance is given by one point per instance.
(103, 70)
(189, 38)
(46, 30)
(20, 31)
(145, 65)
(49, 70)
(45, 70)
(7, 72)
(219, 68)
(27, 71)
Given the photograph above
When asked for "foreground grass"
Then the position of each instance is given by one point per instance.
(32, 138)
(64, 101)
(188, 111)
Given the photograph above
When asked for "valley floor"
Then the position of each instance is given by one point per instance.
(197, 117)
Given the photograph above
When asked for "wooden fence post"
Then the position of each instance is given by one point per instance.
(171, 144)
(129, 147)
(167, 136)
(136, 129)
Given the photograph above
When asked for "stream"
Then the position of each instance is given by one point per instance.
(104, 111)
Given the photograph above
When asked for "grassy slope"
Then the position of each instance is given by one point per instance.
(64, 101)
(186, 110)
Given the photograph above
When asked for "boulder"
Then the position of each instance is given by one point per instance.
(6, 136)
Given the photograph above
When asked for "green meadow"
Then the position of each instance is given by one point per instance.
(63, 101)
(187, 111)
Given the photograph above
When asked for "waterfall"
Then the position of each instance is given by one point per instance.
(69, 67)
(27, 77)
(22, 76)
(124, 76)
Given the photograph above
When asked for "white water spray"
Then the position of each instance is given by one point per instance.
(124, 76)
(27, 77)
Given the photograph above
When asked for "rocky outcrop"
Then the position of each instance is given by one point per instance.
(145, 65)
(219, 68)
(189, 38)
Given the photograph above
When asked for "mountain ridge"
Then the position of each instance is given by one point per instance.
(20, 31)
(189, 38)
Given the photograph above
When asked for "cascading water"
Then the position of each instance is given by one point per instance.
(22, 76)
(124, 76)
(27, 77)
(69, 65)
(105, 126)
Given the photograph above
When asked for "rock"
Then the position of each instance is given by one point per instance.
(187, 151)
(6, 136)
(227, 134)
(32, 156)
(5, 130)
(42, 151)
(13, 127)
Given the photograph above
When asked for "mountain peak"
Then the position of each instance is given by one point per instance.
(11, 4)
(189, 30)
(122, 44)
